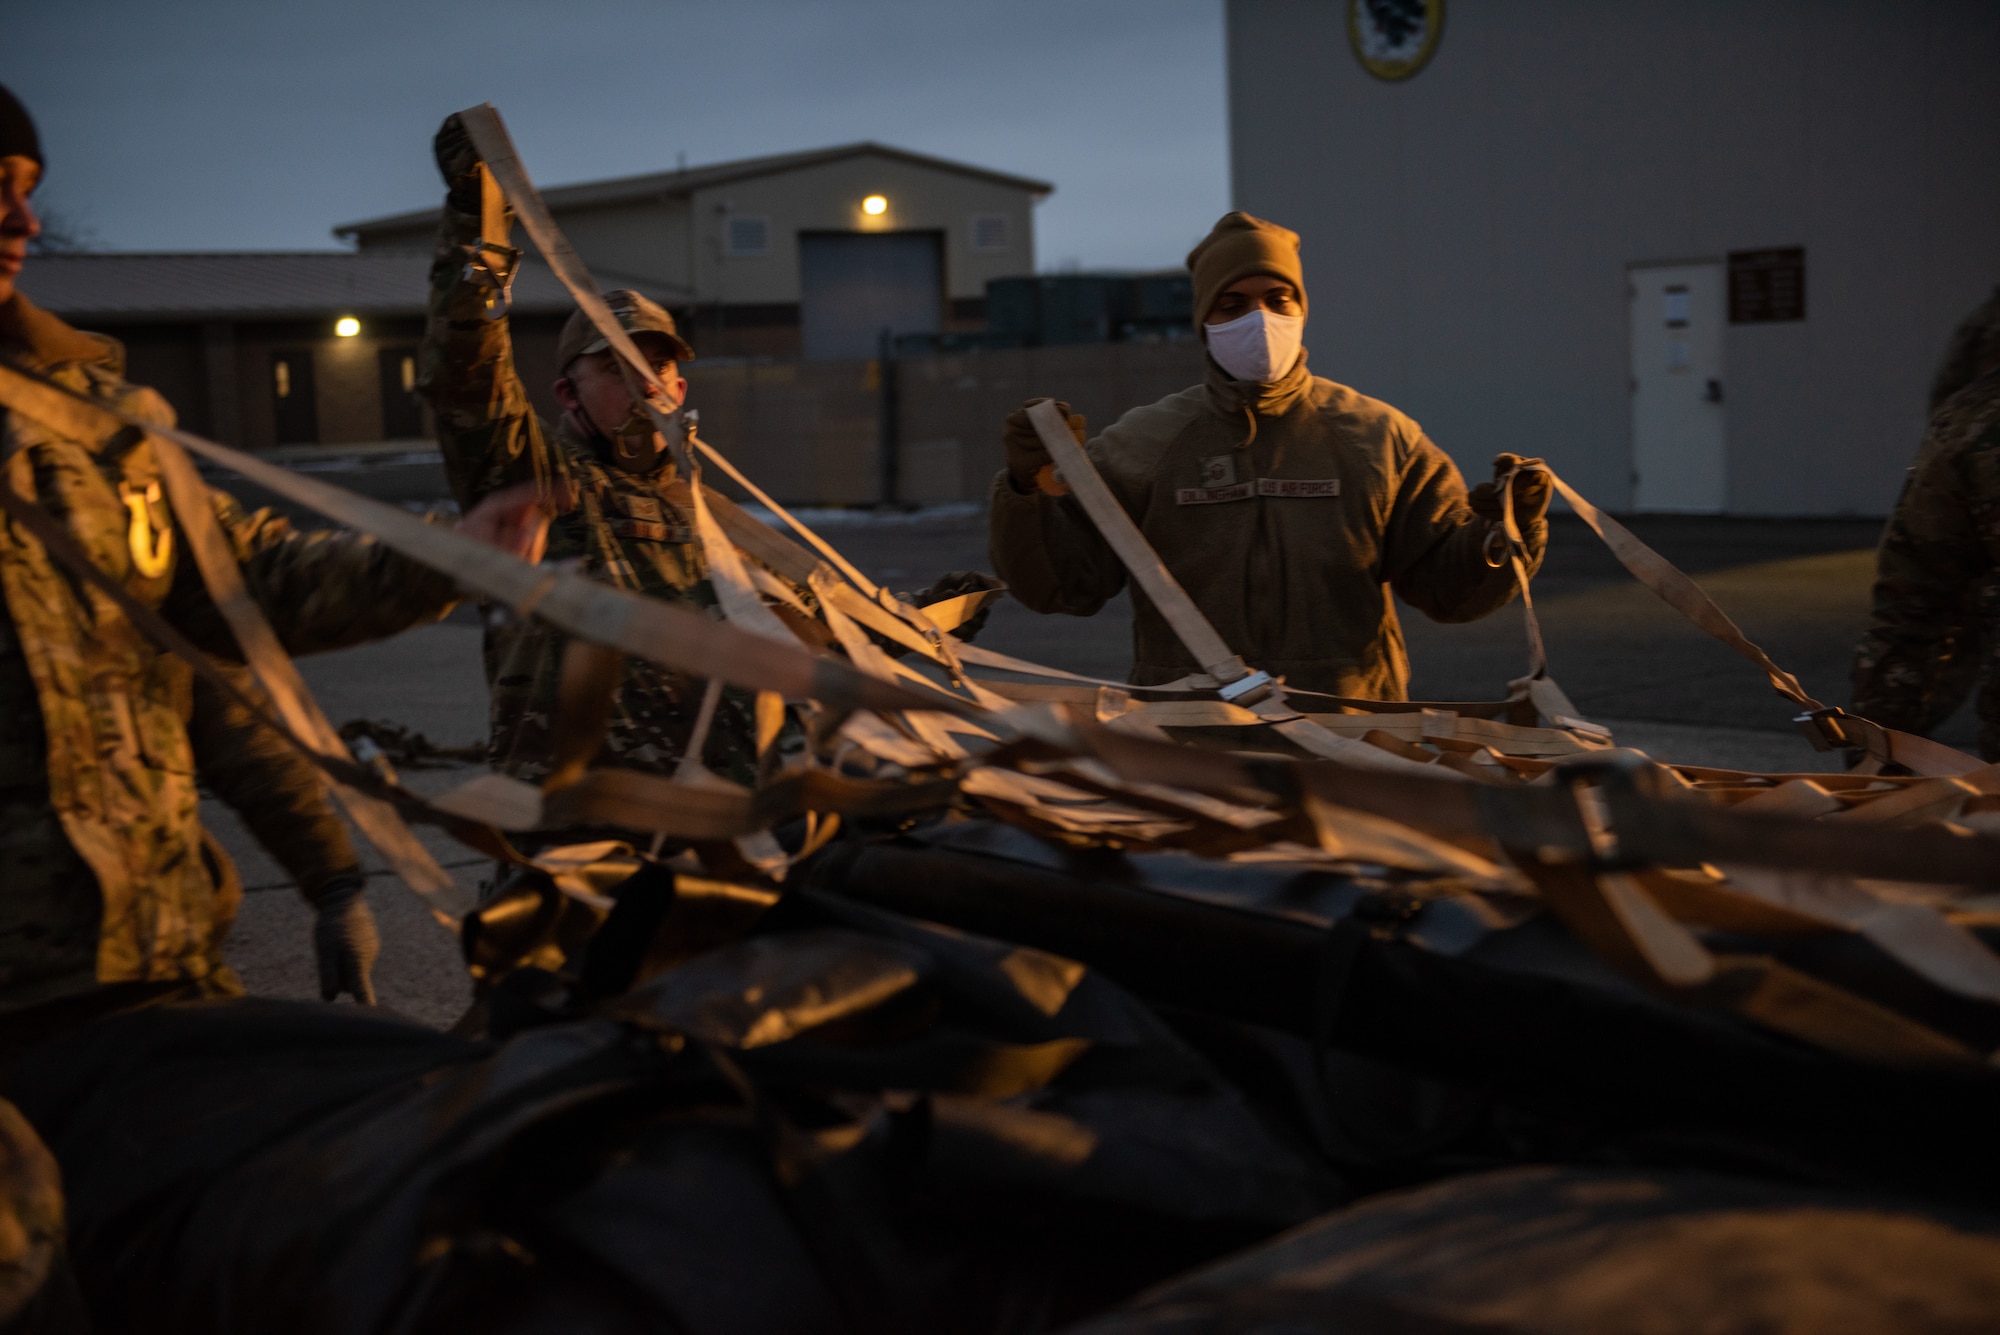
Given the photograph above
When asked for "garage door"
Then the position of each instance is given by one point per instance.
(853, 285)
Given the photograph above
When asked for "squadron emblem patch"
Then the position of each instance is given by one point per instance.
(1393, 39)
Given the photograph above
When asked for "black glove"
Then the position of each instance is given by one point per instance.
(950, 585)
(345, 941)
(1532, 490)
(458, 163)
(1026, 455)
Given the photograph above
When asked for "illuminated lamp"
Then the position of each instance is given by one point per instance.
(347, 326)
(875, 205)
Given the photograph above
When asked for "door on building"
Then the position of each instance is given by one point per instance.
(294, 413)
(853, 285)
(1679, 457)
(402, 411)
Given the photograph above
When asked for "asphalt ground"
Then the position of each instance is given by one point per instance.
(1798, 587)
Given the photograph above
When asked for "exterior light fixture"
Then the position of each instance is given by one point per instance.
(347, 326)
(875, 205)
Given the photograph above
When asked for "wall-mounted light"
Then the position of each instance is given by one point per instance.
(347, 326)
(875, 205)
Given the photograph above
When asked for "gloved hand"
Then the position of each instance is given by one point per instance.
(948, 585)
(345, 941)
(458, 163)
(1531, 492)
(951, 584)
(1026, 455)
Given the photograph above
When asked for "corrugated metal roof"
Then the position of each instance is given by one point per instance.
(265, 285)
(661, 184)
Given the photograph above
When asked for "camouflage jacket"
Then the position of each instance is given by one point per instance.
(280, 796)
(634, 531)
(1288, 512)
(104, 873)
(1937, 585)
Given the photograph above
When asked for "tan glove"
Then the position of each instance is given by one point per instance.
(1028, 462)
(1531, 492)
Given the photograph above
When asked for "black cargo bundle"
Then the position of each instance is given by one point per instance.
(855, 1115)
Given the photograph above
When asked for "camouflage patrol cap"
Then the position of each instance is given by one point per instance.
(635, 315)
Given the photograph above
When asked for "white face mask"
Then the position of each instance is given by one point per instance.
(1259, 346)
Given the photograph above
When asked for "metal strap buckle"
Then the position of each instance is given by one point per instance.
(492, 266)
(1824, 729)
(1246, 690)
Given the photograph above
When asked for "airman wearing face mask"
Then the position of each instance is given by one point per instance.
(1289, 506)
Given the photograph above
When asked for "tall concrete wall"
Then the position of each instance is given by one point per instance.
(810, 432)
(1467, 232)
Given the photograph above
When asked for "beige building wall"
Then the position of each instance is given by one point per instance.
(810, 432)
(622, 243)
(677, 241)
(828, 197)
(1467, 232)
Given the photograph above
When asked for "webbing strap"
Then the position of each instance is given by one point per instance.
(342, 770)
(1676, 589)
(496, 149)
(1918, 754)
(274, 668)
(1150, 573)
(1517, 557)
(659, 632)
(1131, 547)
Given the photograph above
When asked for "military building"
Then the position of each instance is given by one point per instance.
(1704, 255)
(810, 255)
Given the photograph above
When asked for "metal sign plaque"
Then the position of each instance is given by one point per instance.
(1393, 39)
(1767, 286)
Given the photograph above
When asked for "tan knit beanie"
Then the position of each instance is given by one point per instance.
(1238, 247)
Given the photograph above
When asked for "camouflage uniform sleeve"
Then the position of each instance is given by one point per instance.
(323, 590)
(1908, 670)
(1434, 547)
(279, 794)
(487, 430)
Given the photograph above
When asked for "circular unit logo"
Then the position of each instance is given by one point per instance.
(1393, 39)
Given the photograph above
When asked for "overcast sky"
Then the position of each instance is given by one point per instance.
(260, 124)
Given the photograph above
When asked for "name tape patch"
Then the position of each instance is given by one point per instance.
(1263, 486)
(1212, 495)
(1298, 486)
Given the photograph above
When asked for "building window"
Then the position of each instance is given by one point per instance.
(989, 231)
(746, 234)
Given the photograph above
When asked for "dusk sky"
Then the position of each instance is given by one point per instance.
(254, 125)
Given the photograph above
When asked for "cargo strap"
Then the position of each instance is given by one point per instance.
(1827, 726)
(504, 170)
(362, 790)
(280, 678)
(1643, 828)
(1237, 683)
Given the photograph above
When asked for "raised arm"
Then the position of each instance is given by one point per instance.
(1043, 546)
(1435, 553)
(485, 425)
(321, 590)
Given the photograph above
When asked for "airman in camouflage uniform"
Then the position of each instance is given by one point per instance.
(630, 523)
(284, 802)
(110, 891)
(1937, 588)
